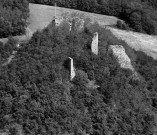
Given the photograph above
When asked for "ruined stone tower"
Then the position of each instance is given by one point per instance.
(56, 20)
(94, 45)
(72, 69)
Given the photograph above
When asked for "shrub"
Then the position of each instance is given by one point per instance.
(13, 16)
(119, 24)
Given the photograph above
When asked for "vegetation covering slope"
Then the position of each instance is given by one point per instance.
(140, 15)
(13, 16)
(36, 93)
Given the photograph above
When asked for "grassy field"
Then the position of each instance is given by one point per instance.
(42, 15)
(138, 41)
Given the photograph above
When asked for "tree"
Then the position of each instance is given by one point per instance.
(13, 15)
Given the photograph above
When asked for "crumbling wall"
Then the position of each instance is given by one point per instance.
(72, 69)
(94, 45)
(122, 57)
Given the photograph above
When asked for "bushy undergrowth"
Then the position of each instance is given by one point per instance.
(36, 93)
(13, 17)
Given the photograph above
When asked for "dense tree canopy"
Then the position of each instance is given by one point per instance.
(13, 15)
(36, 93)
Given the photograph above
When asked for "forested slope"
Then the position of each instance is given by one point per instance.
(36, 96)
(13, 17)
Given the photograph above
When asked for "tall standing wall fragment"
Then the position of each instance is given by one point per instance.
(120, 54)
(72, 69)
(94, 45)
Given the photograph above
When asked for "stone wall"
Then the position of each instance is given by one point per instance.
(94, 45)
(122, 57)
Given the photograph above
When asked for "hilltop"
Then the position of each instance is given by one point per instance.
(112, 91)
(38, 96)
(42, 15)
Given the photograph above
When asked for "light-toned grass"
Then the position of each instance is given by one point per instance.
(138, 41)
(42, 15)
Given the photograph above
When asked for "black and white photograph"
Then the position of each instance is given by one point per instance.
(78, 67)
